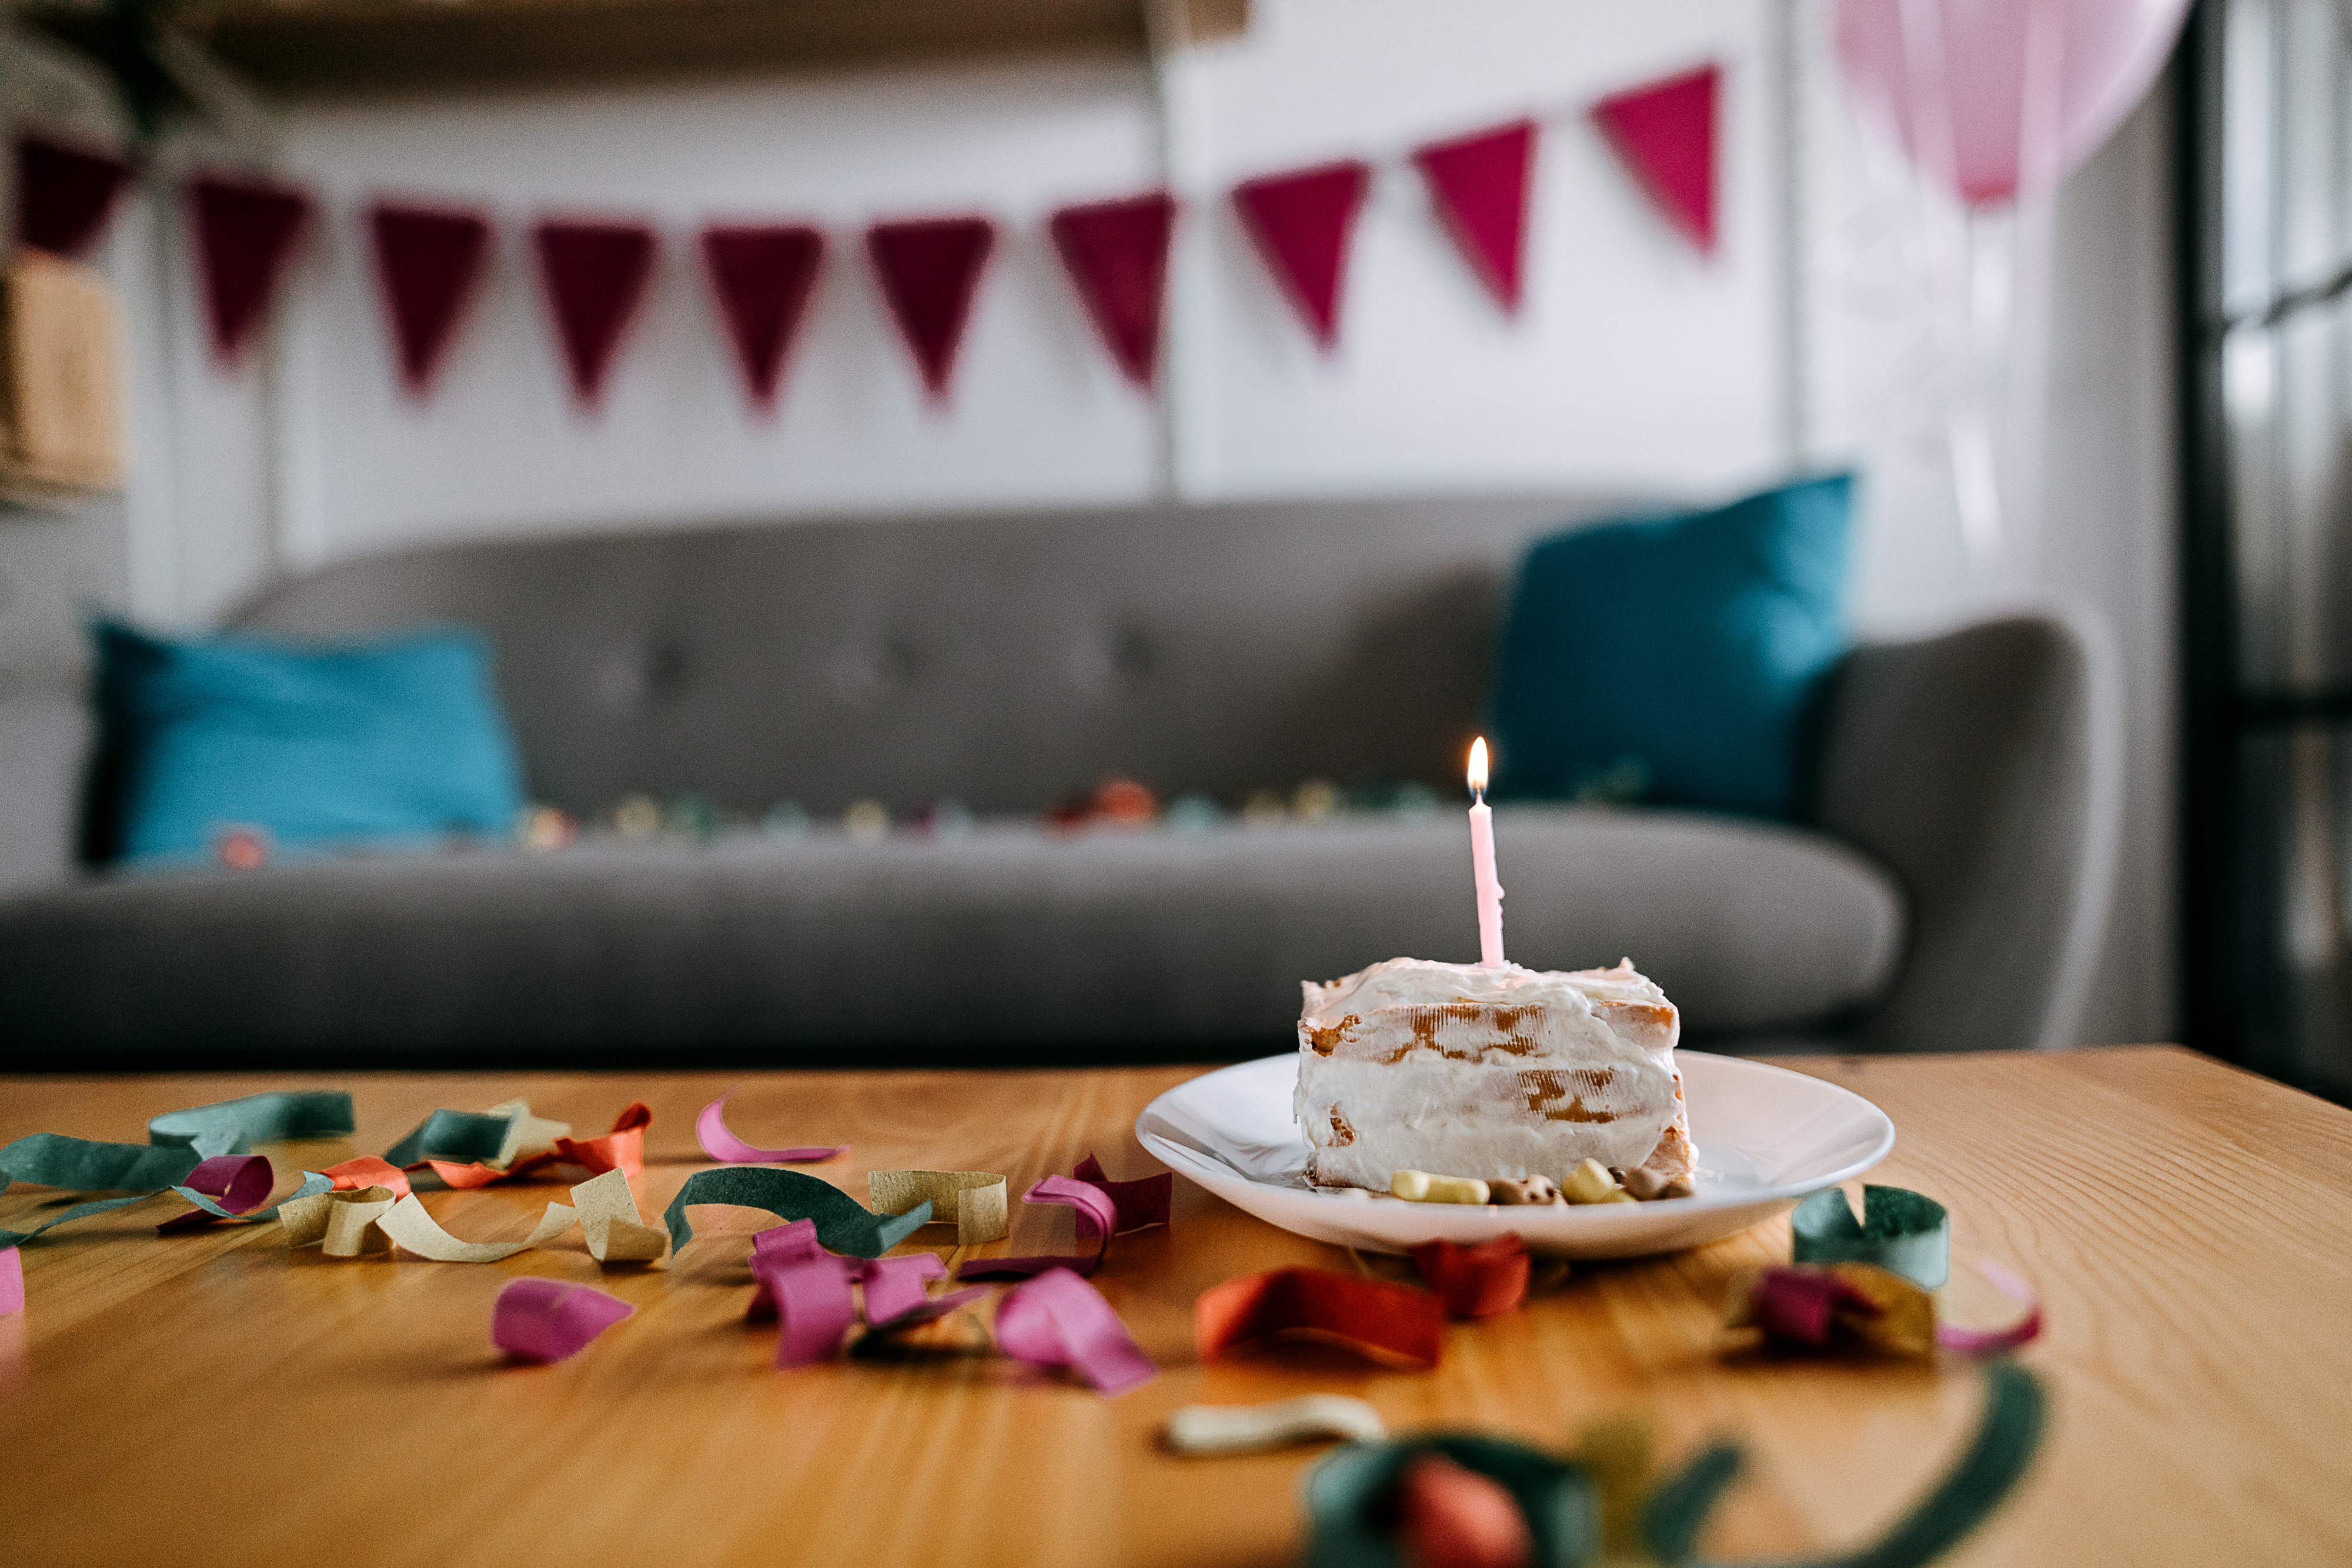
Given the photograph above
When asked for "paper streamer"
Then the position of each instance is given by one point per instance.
(232, 1187)
(78, 1165)
(1481, 1282)
(611, 1225)
(1395, 1325)
(1118, 1208)
(367, 1171)
(1254, 1428)
(476, 1148)
(1900, 1232)
(232, 1126)
(1096, 1218)
(842, 1223)
(806, 1289)
(973, 1200)
(710, 1131)
(342, 1223)
(547, 1319)
(411, 1228)
(1993, 1342)
(11, 1281)
(1059, 1322)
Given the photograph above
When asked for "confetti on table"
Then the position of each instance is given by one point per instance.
(805, 1289)
(11, 1281)
(368, 1171)
(1115, 1207)
(1396, 1325)
(340, 1221)
(79, 1164)
(973, 1200)
(842, 1224)
(1900, 1232)
(710, 1131)
(413, 1228)
(1058, 1321)
(233, 1188)
(229, 1126)
(476, 1148)
(547, 1319)
(1481, 1282)
(615, 1231)
(1252, 1429)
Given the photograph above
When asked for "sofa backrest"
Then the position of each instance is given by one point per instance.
(1008, 661)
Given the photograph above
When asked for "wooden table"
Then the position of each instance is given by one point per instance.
(210, 1398)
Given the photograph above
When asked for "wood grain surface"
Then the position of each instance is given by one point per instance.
(211, 1398)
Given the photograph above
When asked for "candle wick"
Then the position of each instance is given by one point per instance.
(1478, 794)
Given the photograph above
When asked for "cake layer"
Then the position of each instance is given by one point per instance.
(1461, 1070)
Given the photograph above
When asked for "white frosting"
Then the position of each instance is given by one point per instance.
(1387, 1083)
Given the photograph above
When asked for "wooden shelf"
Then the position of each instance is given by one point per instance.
(312, 49)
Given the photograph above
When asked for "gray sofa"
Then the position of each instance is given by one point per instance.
(1944, 890)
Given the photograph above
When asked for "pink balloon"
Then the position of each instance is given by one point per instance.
(1965, 117)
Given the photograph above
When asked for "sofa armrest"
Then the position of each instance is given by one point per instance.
(1984, 768)
(44, 746)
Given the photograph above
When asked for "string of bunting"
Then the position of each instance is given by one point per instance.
(594, 274)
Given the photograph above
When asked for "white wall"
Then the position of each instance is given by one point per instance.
(1636, 367)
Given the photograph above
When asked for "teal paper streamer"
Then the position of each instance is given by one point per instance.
(842, 1224)
(464, 1137)
(1900, 1232)
(2015, 1411)
(313, 1184)
(77, 1164)
(231, 1125)
(1344, 1492)
(1677, 1509)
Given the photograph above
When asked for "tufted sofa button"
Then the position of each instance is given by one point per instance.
(1105, 659)
(864, 676)
(643, 675)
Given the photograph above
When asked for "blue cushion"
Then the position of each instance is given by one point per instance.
(391, 739)
(1674, 659)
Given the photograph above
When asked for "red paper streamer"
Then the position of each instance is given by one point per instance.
(1392, 1324)
(1480, 186)
(929, 269)
(428, 261)
(65, 195)
(761, 276)
(1481, 1282)
(1117, 254)
(1302, 223)
(1665, 132)
(367, 1171)
(594, 274)
(247, 231)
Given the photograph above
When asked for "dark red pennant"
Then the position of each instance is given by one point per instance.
(1665, 132)
(428, 261)
(65, 194)
(929, 269)
(247, 231)
(1117, 252)
(1301, 223)
(595, 275)
(1480, 184)
(761, 276)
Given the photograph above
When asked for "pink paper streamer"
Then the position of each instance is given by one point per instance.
(1993, 1341)
(1058, 1320)
(1097, 1216)
(547, 1319)
(1140, 1203)
(711, 1132)
(11, 1281)
(238, 1183)
(894, 1286)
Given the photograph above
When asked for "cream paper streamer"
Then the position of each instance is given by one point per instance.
(351, 1224)
(974, 1199)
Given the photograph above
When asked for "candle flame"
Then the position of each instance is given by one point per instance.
(1479, 767)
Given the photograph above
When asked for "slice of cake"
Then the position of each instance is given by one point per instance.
(1464, 1070)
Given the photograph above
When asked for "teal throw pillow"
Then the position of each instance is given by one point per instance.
(400, 738)
(1674, 659)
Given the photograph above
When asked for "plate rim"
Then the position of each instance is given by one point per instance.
(1705, 1204)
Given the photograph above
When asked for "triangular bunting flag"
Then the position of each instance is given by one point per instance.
(594, 274)
(245, 233)
(929, 269)
(1666, 133)
(1301, 223)
(1480, 184)
(428, 261)
(761, 276)
(1117, 252)
(64, 195)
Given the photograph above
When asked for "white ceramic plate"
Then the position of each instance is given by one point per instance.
(1766, 1137)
